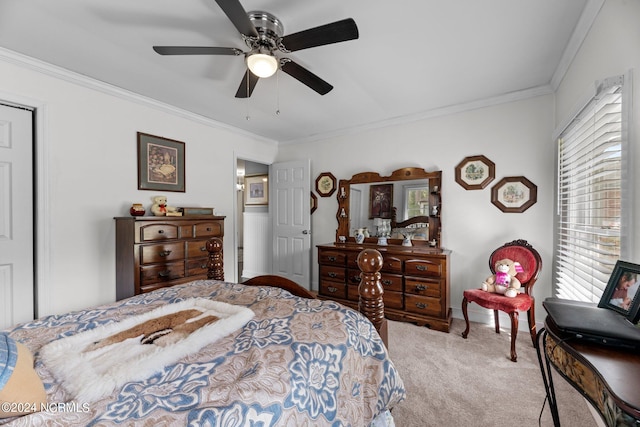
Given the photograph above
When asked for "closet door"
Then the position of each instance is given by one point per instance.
(16, 216)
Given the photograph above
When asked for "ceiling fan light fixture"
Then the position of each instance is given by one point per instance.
(262, 65)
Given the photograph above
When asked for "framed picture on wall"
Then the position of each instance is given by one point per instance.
(380, 200)
(160, 163)
(314, 202)
(475, 172)
(256, 190)
(621, 293)
(325, 184)
(514, 194)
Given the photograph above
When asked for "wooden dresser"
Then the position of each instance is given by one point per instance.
(154, 252)
(415, 281)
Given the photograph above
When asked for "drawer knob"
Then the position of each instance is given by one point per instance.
(203, 265)
(421, 267)
(203, 248)
(165, 253)
(387, 282)
(208, 228)
(332, 258)
(421, 305)
(160, 231)
(164, 274)
(332, 289)
(421, 288)
(332, 275)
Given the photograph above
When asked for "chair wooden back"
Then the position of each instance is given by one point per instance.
(522, 252)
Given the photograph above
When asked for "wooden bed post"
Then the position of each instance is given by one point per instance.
(371, 303)
(215, 265)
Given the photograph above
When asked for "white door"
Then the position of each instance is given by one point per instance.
(16, 216)
(290, 205)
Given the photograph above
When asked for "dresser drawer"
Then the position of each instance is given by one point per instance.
(161, 273)
(423, 305)
(196, 248)
(335, 274)
(161, 252)
(393, 300)
(352, 261)
(352, 292)
(426, 287)
(424, 267)
(197, 267)
(208, 229)
(391, 264)
(332, 258)
(154, 232)
(333, 289)
(391, 282)
(353, 277)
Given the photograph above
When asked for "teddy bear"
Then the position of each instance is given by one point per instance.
(159, 207)
(504, 280)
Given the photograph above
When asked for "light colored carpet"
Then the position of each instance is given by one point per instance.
(451, 381)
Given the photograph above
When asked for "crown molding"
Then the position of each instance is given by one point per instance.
(580, 32)
(430, 114)
(90, 83)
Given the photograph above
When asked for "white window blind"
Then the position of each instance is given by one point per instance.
(592, 162)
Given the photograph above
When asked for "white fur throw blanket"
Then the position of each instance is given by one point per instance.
(89, 374)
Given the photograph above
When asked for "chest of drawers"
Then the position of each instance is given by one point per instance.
(415, 281)
(155, 252)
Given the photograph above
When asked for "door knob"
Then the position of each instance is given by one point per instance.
(306, 231)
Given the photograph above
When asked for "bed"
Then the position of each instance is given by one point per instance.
(273, 356)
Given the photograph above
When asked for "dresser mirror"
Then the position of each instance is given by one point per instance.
(405, 204)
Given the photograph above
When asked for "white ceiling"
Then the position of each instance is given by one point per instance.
(412, 59)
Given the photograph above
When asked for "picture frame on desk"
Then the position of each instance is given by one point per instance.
(196, 211)
(622, 293)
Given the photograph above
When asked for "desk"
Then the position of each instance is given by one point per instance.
(608, 377)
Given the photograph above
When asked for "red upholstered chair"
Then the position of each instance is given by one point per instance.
(522, 252)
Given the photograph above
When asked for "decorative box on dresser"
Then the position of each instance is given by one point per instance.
(154, 252)
(415, 281)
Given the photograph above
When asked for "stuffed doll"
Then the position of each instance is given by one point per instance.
(504, 281)
(159, 207)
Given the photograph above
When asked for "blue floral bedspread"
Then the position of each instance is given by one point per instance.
(298, 362)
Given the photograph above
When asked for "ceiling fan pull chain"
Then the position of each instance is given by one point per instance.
(248, 117)
(277, 92)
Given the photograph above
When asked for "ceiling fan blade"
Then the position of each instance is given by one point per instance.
(196, 50)
(335, 32)
(238, 17)
(306, 77)
(245, 90)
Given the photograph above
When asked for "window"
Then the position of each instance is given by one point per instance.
(416, 200)
(591, 201)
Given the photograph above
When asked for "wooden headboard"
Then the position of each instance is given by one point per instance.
(370, 289)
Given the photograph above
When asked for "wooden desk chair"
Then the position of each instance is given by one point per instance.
(522, 252)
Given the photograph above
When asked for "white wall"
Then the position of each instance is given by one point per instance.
(611, 48)
(516, 136)
(89, 138)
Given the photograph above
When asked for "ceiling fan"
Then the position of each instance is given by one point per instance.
(263, 34)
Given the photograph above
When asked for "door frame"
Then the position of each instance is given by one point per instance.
(252, 158)
(42, 206)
